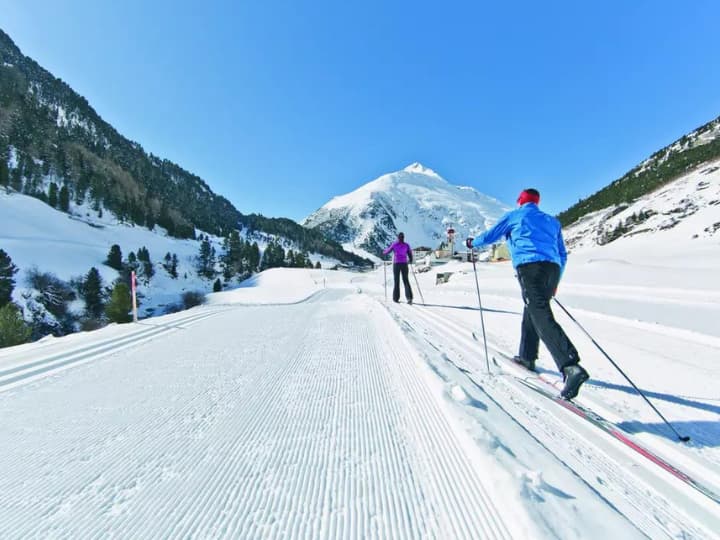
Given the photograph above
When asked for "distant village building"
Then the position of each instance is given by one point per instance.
(419, 253)
(422, 256)
(499, 252)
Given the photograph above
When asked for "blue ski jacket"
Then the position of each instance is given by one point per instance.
(531, 234)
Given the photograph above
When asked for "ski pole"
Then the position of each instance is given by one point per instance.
(417, 284)
(482, 319)
(680, 437)
(385, 277)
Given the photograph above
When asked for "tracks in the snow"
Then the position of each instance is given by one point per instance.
(34, 368)
(305, 421)
(658, 503)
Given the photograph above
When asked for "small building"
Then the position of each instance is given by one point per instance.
(499, 252)
(420, 253)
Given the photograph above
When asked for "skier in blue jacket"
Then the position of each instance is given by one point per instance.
(539, 256)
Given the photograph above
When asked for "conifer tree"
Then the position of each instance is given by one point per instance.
(206, 259)
(4, 172)
(13, 329)
(217, 286)
(92, 292)
(170, 263)
(233, 258)
(173, 267)
(114, 258)
(254, 257)
(64, 199)
(167, 262)
(7, 282)
(145, 263)
(132, 264)
(120, 304)
(53, 195)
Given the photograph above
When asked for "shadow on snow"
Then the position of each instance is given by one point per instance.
(701, 432)
(473, 308)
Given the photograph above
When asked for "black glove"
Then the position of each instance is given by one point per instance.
(469, 241)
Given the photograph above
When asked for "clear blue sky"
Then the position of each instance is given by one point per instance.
(281, 105)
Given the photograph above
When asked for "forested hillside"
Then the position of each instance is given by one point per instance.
(688, 152)
(55, 147)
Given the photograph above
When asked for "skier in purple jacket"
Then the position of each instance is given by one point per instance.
(402, 255)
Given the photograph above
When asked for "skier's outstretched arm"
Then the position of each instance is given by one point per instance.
(499, 230)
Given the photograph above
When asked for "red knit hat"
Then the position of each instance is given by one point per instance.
(529, 195)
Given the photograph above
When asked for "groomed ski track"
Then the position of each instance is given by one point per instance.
(651, 498)
(312, 420)
(336, 417)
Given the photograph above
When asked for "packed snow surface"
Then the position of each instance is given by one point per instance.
(304, 405)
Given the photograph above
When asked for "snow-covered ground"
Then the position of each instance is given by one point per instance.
(36, 235)
(305, 406)
(686, 210)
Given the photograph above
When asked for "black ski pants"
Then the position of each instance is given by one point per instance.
(398, 269)
(538, 281)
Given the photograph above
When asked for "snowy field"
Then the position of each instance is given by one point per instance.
(304, 406)
(36, 235)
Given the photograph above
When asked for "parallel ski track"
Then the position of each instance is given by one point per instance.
(624, 486)
(614, 431)
(461, 488)
(34, 369)
(704, 465)
(331, 432)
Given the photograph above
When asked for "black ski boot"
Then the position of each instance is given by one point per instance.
(575, 376)
(527, 364)
(410, 301)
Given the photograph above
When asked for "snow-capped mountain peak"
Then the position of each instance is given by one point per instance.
(415, 200)
(420, 169)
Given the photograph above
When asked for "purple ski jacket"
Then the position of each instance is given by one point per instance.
(402, 252)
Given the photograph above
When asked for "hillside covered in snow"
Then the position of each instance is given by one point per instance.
(675, 188)
(72, 189)
(53, 252)
(688, 206)
(415, 200)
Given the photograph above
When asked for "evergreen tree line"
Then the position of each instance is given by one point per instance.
(47, 304)
(13, 329)
(139, 263)
(47, 301)
(625, 226)
(241, 258)
(308, 240)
